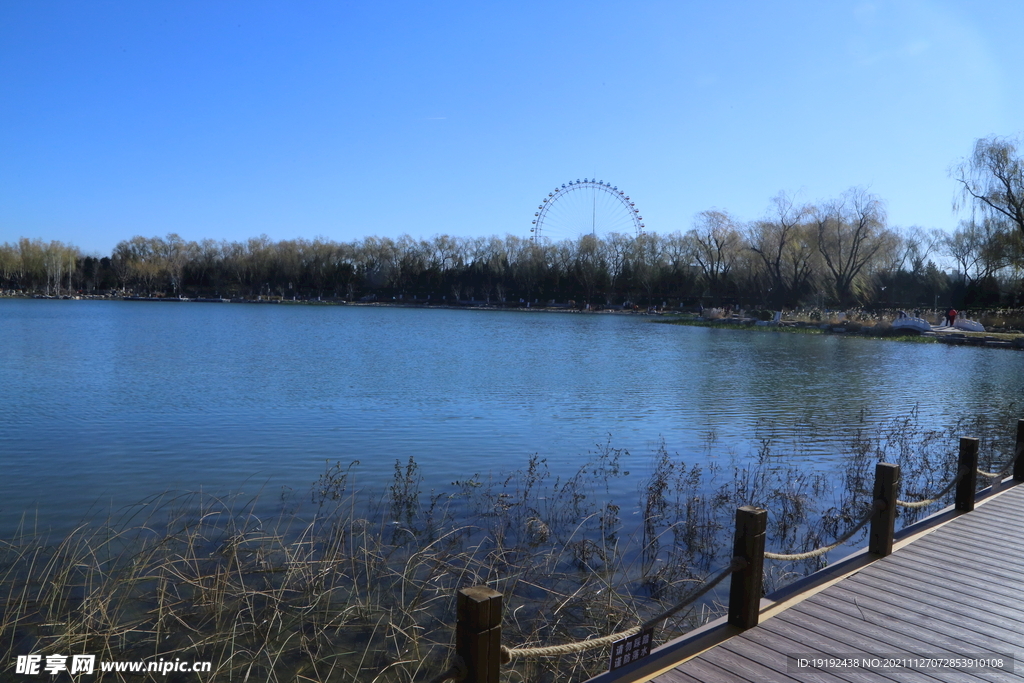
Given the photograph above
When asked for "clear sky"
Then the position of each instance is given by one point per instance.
(231, 119)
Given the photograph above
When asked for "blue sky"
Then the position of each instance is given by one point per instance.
(227, 120)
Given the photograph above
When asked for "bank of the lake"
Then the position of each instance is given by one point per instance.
(882, 330)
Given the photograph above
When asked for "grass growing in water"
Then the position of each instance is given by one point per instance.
(358, 590)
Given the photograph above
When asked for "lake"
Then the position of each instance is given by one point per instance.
(107, 402)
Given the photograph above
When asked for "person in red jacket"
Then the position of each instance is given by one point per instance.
(951, 316)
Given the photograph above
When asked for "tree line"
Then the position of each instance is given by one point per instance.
(839, 251)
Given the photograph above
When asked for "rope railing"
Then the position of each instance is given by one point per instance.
(508, 653)
(794, 557)
(480, 653)
(938, 496)
(1001, 473)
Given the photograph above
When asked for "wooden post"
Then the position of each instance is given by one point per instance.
(478, 633)
(1018, 453)
(745, 584)
(883, 522)
(968, 484)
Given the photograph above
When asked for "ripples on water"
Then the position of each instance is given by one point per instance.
(114, 401)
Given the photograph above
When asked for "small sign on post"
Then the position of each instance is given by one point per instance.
(631, 648)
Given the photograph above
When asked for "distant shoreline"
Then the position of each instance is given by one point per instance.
(465, 305)
(846, 328)
(959, 338)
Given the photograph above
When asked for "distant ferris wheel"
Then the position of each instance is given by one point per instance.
(584, 207)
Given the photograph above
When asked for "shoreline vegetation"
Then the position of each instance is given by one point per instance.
(875, 326)
(1004, 328)
(345, 585)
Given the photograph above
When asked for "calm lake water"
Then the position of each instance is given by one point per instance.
(105, 403)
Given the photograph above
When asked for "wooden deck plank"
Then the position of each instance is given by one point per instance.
(920, 643)
(796, 640)
(978, 536)
(912, 614)
(926, 566)
(743, 658)
(982, 559)
(956, 590)
(706, 672)
(870, 640)
(990, 548)
(935, 593)
(985, 529)
(953, 569)
(909, 625)
(676, 676)
(937, 596)
(752, 650)
(866, 640)
(879, 639)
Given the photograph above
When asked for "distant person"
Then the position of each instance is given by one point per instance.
(952, 317)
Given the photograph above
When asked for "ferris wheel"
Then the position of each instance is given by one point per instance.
(583, 207)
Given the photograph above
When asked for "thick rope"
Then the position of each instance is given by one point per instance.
(1001, 473)
(939, 496)
(877, 505)
(735, 565)
(456, 672)
(508, 653)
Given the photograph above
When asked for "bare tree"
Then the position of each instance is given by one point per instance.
(10, 263)
(177, 254)
(850, 234)
(648, 262)
(782, 242)
(911, 249)
(617, 249)
(59, 261)
(588, 265)
(993, 179)
(33, 268)
(141, 259)
(982, 249)
(714, 245)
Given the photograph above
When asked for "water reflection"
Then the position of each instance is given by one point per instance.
(113, 401)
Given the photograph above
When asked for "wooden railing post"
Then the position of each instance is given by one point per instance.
(968, 484)
(478, 633)
(883, 522)
(1018, 453)
(745, 586)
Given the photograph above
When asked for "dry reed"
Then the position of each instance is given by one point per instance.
(349, 589)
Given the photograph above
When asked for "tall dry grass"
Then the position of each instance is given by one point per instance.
(345, 588)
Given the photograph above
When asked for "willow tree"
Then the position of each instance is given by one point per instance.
(714, 244)
(992, 179)
(851, 234)
(784, 245)
(983, 248)
(589, 265)
(648, 262)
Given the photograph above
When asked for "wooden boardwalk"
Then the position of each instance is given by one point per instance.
(956, 591)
